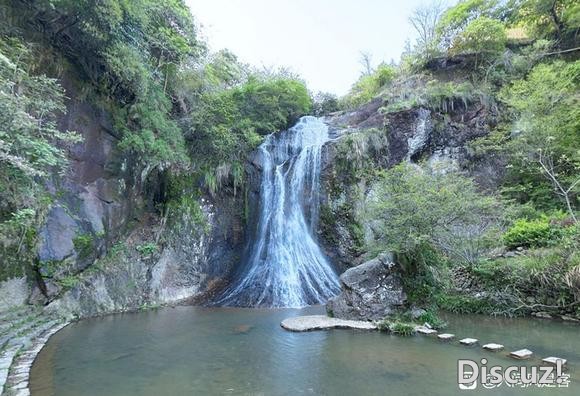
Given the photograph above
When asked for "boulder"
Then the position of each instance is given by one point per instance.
(370, 291)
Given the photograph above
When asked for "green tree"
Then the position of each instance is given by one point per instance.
(559, 19)
(31, 149)
(482, 35)
(272, 104)
(325, 103)
(412, 209)
(369, 86)
(457, 18)
(31, 145)
(546, 139)
(227, 124)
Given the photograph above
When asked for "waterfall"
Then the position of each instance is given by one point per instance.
(285, 266)
(417, 142)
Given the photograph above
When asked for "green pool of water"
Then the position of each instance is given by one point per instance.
(227, 351)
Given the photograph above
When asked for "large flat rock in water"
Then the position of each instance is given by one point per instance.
(321, 322)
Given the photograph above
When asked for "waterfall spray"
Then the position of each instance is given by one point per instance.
(285, 266)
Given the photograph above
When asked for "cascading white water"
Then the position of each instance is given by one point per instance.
(285, 266)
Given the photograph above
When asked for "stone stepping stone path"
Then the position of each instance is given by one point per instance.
(493, 347)
(522, 354)
(23, 333)
(322, 322)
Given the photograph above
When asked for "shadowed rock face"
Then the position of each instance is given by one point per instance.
(370, 291)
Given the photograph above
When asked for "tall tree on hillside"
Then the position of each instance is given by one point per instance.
(366, 62)
(424, 20)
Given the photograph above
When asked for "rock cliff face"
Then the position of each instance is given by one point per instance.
(368, 139)
(192, 262)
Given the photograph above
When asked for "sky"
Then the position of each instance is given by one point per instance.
(321, 40)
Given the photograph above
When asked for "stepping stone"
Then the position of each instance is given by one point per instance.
(469, 341)
(446, 336)
(425, 330)
(522, 354)
(493, 347)
(554, 360)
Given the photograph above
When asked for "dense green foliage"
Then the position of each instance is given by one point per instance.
(31, 147)
(227, 124)
(530, 233)
(369, 86)
(147, 66)
(325, 103)
(483, 35)
(546, 106)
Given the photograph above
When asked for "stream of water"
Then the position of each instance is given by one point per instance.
(285, 266)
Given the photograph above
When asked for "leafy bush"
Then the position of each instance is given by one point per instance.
(449, 96)
(432, 319)
(369, 86)
(31, 148)
(548, 19)
(545, 109)
(272, 104)
(84, 245)
(68, 282)
(456, 19)
(227, 124)
(403, 329)
(396, 327)
(531, 233)
(544, 276)
(147, 249)
(325, 103)
(444, 97)
(483, 35)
